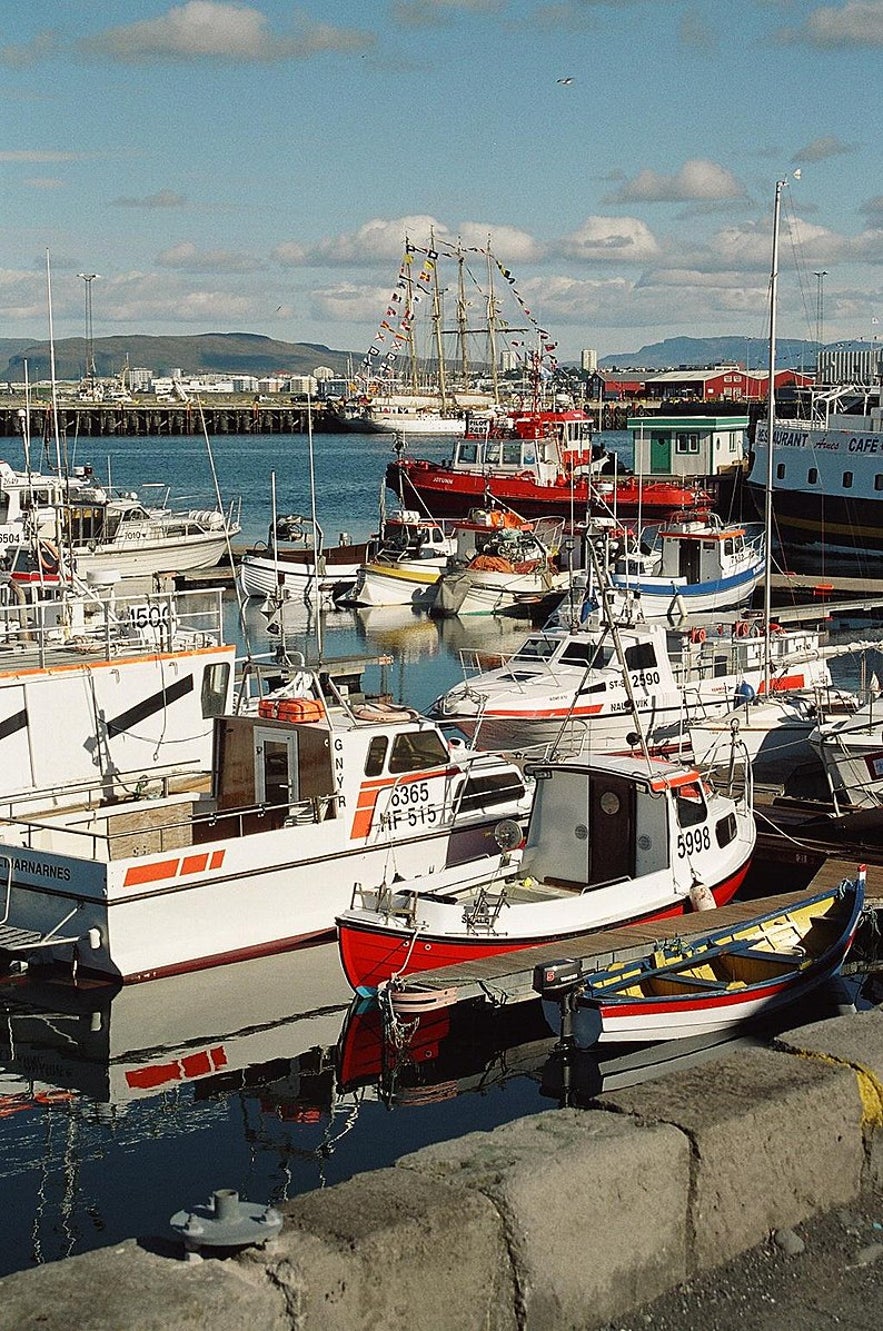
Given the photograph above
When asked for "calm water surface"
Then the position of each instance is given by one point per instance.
(118, 1110)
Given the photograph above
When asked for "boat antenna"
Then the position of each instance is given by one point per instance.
(52, 375)
(317, 531)
(240, 600)
(771, 421)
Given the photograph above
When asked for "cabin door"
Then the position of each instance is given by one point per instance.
(611, 828)
(688, 560)
(660, 454)
(276, 775)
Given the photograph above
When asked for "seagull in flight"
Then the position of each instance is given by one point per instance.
(564, 81)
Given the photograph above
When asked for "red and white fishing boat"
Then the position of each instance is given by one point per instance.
(595, 688)
(725, 977)
(611, 841)
(539, 463)
(314, 787)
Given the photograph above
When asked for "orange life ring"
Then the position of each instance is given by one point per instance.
(697, 635)
(776, 628)
(48, 557)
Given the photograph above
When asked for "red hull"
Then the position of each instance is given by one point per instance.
(444, 492)
(371, 954)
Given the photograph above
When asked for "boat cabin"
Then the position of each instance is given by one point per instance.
(543, 444)
(687, 446)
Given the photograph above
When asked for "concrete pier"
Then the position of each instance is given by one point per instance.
(567, 1219)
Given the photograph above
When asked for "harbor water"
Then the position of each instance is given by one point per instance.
(119, 1109)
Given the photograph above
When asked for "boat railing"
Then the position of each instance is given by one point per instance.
(97, 624)
(161, 828)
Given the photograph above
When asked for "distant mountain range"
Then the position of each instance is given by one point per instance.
(214, 353)
(696, 352)
(251, 353)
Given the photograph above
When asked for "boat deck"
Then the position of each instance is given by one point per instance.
(508, 978)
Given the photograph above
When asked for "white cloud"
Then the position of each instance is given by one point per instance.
(39, 155)
(212, 29)
(858, 23)
(827, 145)
(164, 198)
(697, 180)
(610, 240)
(380, 239)
(347, 303)
(187, 257)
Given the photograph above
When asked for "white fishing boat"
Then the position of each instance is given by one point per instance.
(100, 530)
(295, 563)
(315, 787)
(104, 696)
(581, 689)
(504, 565)
(698, 565)
(610, 841)
(405, 569)
(850, 749)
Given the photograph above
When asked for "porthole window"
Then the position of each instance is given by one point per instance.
(847, 480)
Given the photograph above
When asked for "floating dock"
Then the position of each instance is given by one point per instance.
(508, 979)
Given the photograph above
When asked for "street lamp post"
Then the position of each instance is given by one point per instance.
(88, 279)
(820, 306)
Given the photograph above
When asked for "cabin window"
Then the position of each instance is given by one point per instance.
(780, 471)
(690, 806)
(586, 654)
(687, 443)
(416, 750)
(847, 480)
(594, 688)
(728, 546)
(725, 830)
(878, 481)
(467, 451)
(483, 792)
(376, 755)
(215, 681)
(640, 656)
(492, 453)
(512, 453)
(535, 649)
(812, 476)
(721, 666)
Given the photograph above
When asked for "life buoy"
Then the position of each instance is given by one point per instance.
(48, 557)
(697, 635)
(742, 629)
(776, 628)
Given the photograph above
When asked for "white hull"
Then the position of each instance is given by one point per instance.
(139, 559)
(414, 583)
(98, 711)
(261, 575)
(300, 812)
(533, 703)
(490, 593)
(416, 424)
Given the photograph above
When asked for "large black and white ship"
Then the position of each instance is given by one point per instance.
(827, 472)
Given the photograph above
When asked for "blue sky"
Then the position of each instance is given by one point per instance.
(256, 166)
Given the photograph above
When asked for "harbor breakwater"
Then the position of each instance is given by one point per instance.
(567, 1219)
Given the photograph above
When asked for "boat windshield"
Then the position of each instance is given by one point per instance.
(536, 649)
(594, 654)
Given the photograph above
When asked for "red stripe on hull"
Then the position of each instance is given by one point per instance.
(370, 954)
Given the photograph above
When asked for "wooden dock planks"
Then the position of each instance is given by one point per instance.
(508, 978)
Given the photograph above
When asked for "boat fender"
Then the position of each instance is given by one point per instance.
(701, 898)
(776, 628)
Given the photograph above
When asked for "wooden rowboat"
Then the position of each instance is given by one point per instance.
(725, 977)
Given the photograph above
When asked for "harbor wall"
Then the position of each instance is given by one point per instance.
(566, 1219)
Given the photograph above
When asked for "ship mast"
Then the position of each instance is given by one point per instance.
(771, 421)
(437, 327)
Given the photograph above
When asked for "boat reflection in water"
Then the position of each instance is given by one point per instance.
(118, 1107)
